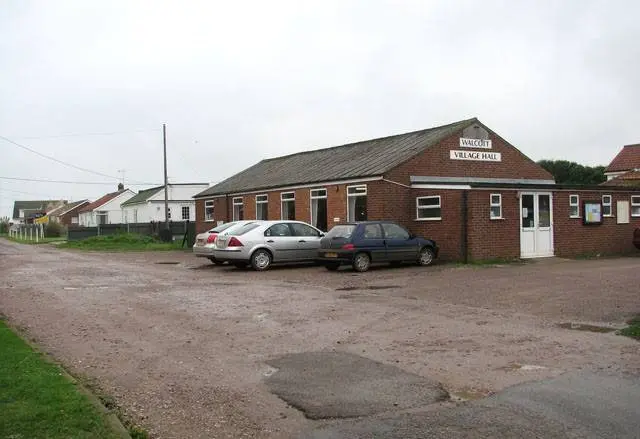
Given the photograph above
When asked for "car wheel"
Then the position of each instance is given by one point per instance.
(426, 257)
(215, 261)
(332, 266)
(361, 262)
(260, 260)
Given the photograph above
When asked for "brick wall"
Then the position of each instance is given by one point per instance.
(572, 238)
(435, 161)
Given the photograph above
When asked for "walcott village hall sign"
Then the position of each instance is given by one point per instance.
(475, 155)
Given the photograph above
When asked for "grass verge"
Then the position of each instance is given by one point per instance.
(633, 330)
(40, 241)
(122, 242)
(38, 400)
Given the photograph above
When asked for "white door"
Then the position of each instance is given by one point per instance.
(536, 225)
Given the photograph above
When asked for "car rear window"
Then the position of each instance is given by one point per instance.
(222, 227)
(342, 231)
(242, 229)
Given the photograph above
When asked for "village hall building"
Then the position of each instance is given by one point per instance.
(460, 184)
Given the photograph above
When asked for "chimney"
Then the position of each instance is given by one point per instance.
(120, 187)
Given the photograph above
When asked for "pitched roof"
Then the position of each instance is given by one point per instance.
(69, 207)
(631, 178)
(355, 160)
(627, 159)
(56, 210)
(143, 196)
(33, 205)
(100, 201)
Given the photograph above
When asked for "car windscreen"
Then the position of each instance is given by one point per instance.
(222, 227)
(341, 231)
(242, 229)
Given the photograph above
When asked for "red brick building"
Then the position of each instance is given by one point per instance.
(460, 184)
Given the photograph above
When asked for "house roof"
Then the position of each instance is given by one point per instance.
(143, 196)
(33, 205)
(631, 178)
(355, 160)
(69, 207)
(627, 159)
(56, 210)
(102, 200)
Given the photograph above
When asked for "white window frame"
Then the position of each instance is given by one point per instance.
(235, 203)
(635, 204)
(610, 204)
(283, 200)
(492, 205)
(182, 208)
(360, 194)
(576, 205)
(313, 197)
(438, 206)
(264, 200)
(210, 204)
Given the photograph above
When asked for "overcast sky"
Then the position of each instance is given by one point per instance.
(237, 82)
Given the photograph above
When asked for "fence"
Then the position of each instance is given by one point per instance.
(178, 230)
(27, 232)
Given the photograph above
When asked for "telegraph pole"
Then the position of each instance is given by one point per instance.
(166, 180)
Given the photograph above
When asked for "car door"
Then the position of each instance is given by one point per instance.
(278, 238)
(307, 241)
(372, 240)
(399, 243)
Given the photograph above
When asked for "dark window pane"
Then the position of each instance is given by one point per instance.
(372, 231)
(394, 231)
(278, 230)
(303, 230)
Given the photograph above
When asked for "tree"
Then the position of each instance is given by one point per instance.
(565, 172)
(4, 224)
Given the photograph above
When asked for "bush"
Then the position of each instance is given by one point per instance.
(4, 227)
(53, 230)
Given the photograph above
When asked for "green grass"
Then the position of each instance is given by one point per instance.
(40, 240)
(633, 330)
(122, 242)
(38, 401)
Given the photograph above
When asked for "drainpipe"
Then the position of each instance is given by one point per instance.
(464, 245)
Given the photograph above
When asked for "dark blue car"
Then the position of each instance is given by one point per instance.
(363, 243)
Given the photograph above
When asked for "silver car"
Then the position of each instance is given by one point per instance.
(262, 243)
(206, 242)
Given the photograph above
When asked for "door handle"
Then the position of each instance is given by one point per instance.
(302, 240)
(270, 240)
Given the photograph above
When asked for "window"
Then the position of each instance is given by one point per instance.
(635, 205)
(169, 214)
(74, 220)
(428, 208)
(319, 208)
(209, 210)
(303, 230)
(186, 213)
(372, 231)
(606, 205)
(496, 206)
(238, 209)
(135, 216)
(574, 206)
(262, 207)
(394, 231)
(341, 231)
(278, 230)
(288, 205)
(356, 203)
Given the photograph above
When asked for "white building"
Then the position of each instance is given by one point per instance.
(106, 209)
(148, 205)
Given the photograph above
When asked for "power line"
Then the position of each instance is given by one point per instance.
(56, 160)
(38, 180)
(87, 134)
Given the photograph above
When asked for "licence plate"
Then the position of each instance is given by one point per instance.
(331, 255)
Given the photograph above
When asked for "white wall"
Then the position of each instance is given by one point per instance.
(183, 192)
(113, 209)
(154, 211)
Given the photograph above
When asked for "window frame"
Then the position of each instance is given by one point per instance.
(234, 203)
(182, 208)
(312, 198)
(287, 200)
(498, 205)
(264, 201)
(633, 204)
(349, 196)
(418, 207)
(610, 205)
(209, 204)
(576, 205)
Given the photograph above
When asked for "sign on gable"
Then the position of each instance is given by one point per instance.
(476, 156)
(475, 143)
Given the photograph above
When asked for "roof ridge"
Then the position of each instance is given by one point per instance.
(460, 122)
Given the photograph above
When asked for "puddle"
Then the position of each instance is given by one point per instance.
(585, 327)
(369, 287)
(524, 367)
(167, 263)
